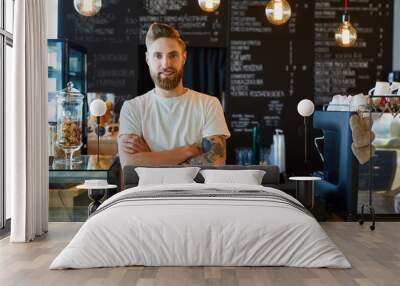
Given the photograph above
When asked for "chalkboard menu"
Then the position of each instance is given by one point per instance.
(269, 68)
(111, 43)
(196, 27)
(340, 71)
(112, 36)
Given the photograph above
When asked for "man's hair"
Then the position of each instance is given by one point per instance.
(160, 30)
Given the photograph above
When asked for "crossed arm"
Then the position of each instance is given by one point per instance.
(133, 150)
(214, 148)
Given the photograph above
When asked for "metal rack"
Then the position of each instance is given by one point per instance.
(376, 104)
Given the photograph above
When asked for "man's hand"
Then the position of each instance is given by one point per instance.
(192, 151)
(132, 144)
(214, 152)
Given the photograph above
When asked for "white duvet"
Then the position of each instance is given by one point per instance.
(200, 231)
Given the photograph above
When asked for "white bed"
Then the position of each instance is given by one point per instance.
(184, 230)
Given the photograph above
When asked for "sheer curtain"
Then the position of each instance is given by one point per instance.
(26, 131)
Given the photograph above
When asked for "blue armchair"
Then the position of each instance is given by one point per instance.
(340, 172)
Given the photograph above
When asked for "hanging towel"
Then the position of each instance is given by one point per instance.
(363, 154)
(362, 138)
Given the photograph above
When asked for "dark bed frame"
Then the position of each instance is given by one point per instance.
(130, 178)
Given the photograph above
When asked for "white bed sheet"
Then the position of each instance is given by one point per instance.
(200, 232)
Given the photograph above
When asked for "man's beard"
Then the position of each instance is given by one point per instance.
(167, 83)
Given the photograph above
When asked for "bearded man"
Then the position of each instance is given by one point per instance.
(171, 124)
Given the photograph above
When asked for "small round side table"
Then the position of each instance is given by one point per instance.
(305, 190)
(96, 192)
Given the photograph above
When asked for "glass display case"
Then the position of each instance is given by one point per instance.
(66, 63)
(68, 203)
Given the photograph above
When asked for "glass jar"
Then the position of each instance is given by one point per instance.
(69, 121)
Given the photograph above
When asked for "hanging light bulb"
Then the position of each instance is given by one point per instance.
(87, 7)
(346, 35)
(209, 5)
(278, 12)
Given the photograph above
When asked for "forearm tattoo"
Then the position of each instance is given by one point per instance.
(214, 149)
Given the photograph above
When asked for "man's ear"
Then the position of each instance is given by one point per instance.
(184, 55)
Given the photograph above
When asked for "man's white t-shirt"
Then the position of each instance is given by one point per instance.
(166, 123)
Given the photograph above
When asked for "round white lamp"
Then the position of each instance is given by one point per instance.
(305, 108)
(98, 108)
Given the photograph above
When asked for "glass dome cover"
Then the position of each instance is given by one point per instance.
(69, 121)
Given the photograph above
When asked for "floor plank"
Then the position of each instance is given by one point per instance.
(374, 255)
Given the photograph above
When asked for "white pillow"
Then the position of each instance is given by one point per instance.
(249, 177)
(165, 176)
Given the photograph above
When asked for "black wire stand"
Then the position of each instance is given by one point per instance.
(369, 206)
(385, 103)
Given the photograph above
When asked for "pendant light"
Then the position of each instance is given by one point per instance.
(346, 35)
(209, 6)
(278, 12)
(87, 7)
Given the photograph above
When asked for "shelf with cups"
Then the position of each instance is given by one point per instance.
(351, 103)
(384, 104)
(385, 97)
(381, 177)
(372, 103)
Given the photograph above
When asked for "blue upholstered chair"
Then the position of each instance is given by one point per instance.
(340, 172)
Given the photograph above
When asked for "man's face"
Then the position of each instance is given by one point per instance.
(166, 59)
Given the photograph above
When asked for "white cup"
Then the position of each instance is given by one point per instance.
(332, 104)
(344, 103)
(395, 86)
(342, 99)
(381, 88)
(357, 101)
(335, 99)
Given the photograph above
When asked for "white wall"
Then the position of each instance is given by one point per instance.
(396, 36)
(52, 18)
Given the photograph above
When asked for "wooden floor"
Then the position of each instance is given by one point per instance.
(375, 257)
